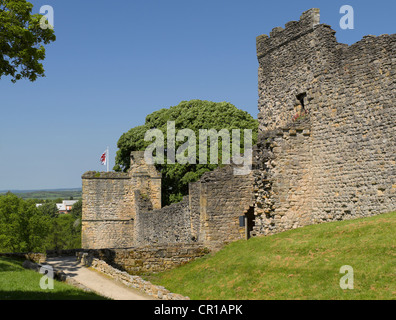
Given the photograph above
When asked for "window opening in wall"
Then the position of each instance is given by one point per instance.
(301, 97)
(301, 112)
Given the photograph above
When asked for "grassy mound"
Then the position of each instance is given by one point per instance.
(298, 264)
(17, 283)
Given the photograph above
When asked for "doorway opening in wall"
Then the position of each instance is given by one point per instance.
(249, 223)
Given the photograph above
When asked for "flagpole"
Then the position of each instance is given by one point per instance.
(108, 159)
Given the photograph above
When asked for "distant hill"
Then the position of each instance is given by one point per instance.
(51, 194)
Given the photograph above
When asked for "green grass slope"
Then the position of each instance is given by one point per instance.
(299, 264)
(17, 283)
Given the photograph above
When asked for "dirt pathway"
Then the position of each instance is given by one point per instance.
(95, 280)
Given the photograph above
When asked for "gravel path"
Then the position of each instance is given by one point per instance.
(95, 280)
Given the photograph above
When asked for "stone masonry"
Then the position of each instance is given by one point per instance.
(110, 203)
(326, 151)
(327, 116)
(123, 210)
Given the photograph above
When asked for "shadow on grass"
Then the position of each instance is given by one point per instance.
(7, 264)
(48, 295)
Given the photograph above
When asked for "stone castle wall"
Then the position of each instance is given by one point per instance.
(122, 210)
(108, 214)
(223, 198)
(326, 151)
(170, 224)
(337, 161)
(110, 202)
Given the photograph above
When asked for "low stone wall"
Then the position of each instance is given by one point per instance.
(135, 282)
(149, 259)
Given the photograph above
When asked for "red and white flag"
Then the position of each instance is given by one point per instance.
(103, 158)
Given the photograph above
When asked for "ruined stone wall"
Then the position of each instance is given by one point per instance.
(108, 217)
(223, 198)
(283, 191)
(170, 224)
(152, 258)
(110, 200)
(208, 216)
(145, 178)
(327, 116)
(326, 151)
(122, 210)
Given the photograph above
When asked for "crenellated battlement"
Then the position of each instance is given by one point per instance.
(292, 31)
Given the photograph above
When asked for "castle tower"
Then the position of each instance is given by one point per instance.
(110, 201)
(326, 148)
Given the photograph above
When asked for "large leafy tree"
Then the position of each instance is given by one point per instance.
(23, 227)
(194, 115)
(21, 40)
(26, 228)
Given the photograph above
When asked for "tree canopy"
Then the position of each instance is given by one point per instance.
(194, 115)
(26, 228)
(21, 40)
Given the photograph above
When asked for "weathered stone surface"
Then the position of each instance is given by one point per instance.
(123, 211)
(148, 259)
(338, 160)
(110, 203)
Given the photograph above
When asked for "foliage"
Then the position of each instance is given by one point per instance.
(49, 208)
(21, 41)
(76, 211)
(194, 115)
(303, 263)
(26, 228)
(22, 225)
(65, 233)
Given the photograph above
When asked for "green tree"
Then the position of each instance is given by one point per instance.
(76, 211)
(194, 115)
(58, 200)
(21, 41)
(65, 233)
(22, 226)
(49, 209)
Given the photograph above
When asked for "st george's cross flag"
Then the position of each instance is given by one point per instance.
(103, 158)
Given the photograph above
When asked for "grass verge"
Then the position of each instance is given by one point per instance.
(18, 283)
(302, 263)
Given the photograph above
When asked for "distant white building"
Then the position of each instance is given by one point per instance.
(66, 206)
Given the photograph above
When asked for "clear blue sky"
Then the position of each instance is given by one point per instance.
(114, 62)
